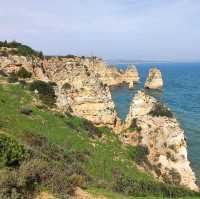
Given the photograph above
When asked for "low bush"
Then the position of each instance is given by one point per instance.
(134, 126)
(2, 73)
(12, 78)
(23, 73)
(79, 124)
(66, 86)
(47, 166)
(141, 154)
(20, 49)
(132, 187)
(93, 131)
(161, 110)
(172, 177)
(45, 90)
(11, 152)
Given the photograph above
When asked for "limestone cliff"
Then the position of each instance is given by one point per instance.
(12, 63)
(110, 75)
(79, 89)
(154, 79)
(152, 125)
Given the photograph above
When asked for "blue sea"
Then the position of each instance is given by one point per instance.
(181, 93)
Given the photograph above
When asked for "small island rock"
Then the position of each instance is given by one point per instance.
(154, 79)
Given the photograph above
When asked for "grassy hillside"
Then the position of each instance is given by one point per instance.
(46, 150)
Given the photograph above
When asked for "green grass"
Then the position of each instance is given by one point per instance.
(107, 154)
(112, 195)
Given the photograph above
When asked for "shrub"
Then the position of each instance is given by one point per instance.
(66, 86)
(132, 187)
(23, 73)
(21, 49)
(170, 156)
(141, 154)
(93, 131)
(2, 73)
(46, 92)
(8, 185)
(77, 181)
(161, 110)
(134, 126)
(172, 177)
(70, 56)
(11, 152)
(48, 166)
(12, 78)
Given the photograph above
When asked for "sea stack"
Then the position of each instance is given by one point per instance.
(153, 127)
(131, 76)
(154, 79)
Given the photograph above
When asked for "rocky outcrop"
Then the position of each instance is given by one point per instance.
(151, 125)
(154, 79)
(11, 64)
(110, 75)
(131, 76)
(81, 92)
(79, 89)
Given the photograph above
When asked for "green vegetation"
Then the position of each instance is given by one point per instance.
(134, 126)
(173, 177)
(17, 48)
(23, 73)
(161, 110)
(11, 153)
(66, 86)
(12, 78)
(141, 154)
(57, 152)
(45, 90)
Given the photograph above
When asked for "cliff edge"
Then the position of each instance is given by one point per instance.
(152, 126)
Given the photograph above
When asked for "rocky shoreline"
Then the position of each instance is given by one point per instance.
(82, 87)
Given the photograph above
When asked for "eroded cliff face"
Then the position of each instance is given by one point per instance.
(151, 125)
(154, 79)
(79, 89)
(112, 76)
(13, 63)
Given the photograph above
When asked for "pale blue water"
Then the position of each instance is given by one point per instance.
(181, 93)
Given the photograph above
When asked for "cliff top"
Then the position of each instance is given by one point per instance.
(40, 142)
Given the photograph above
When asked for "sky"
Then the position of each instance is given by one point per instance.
(111, 29)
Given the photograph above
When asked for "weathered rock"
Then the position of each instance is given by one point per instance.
(110, 75)
(82, 92)
(12, 64)
(131, 76)
(154, 79)
(164, 138)
(85, 96)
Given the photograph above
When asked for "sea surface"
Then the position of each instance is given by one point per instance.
(181, 93)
